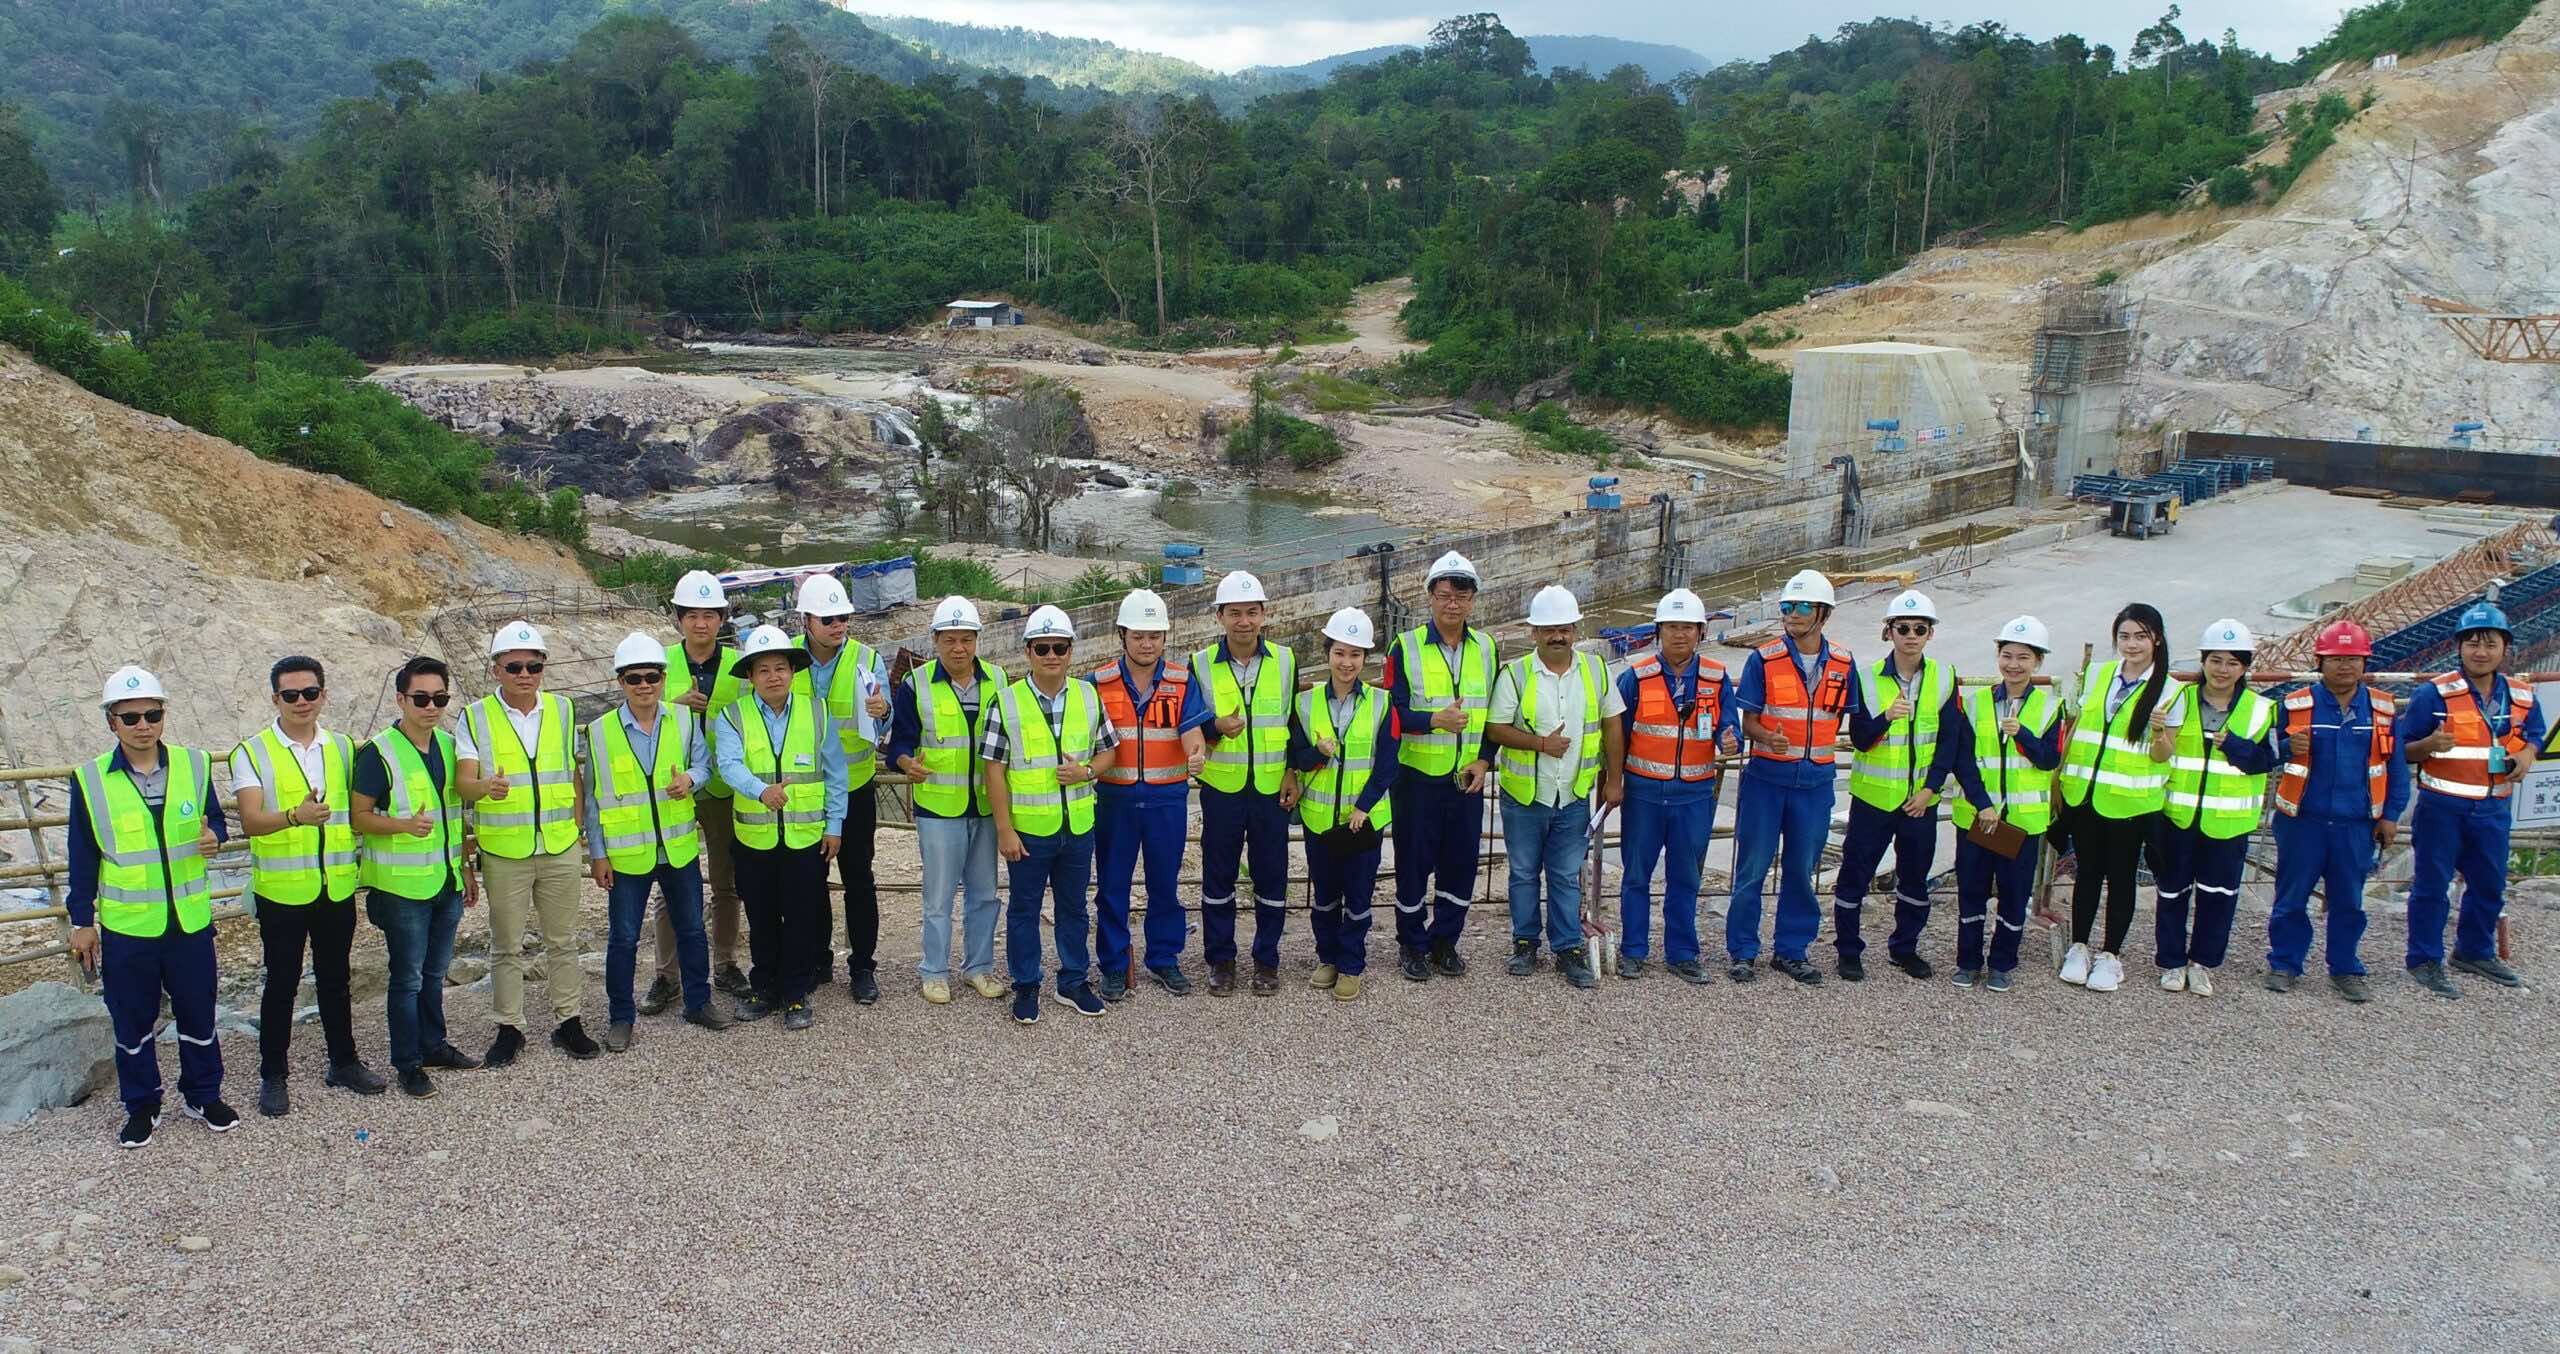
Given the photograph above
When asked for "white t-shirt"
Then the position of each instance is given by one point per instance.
(305, 755)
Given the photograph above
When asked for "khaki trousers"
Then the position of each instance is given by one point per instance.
(547, 888)
(720, 911)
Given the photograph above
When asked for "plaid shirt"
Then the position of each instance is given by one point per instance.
(997, 745)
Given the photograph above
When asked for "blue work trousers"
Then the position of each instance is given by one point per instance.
(1146, 823)
(2450, 835)
(1980, 875)
(135, 971)
(1249, 830)
(2200, 875)
(1671, 832)
(1784, 825)
(626, 906)
(1059, 865)
(2336, 855)
(1344, 891)
(1542, 840)
(417, 942)
(1915, 853)
(1439, 832)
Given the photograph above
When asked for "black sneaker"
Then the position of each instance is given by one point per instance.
(752, 1007)
(1689, 971)
(1446, 961)
(2492, 968)
(1413, 967)
(1914, 965)
(139, 1124)
(865, 986)
(2432, 978)
(1171, 979)
(1082, 998)
(732, 980)
(1524, 958)
(1115, 987)
(662, 994)
(215, 1115)
(356, 1077)
(798, 1016)
(504, 1048)
(452, 1059)
(1630, 966)
(1853, 968)
(1575, 965)
(1743, 971)
(570, 1037)
(273, 1101)
(1801, 971)
(415, 1084)
(1026, 1004)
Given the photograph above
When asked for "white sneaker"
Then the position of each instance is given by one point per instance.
(2106, 973)
(2200, 980)
(2075, 966)
(2173, 980)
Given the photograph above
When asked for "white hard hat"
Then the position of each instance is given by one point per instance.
(822, 595)
(2029, 631)
(1554, 606)
(1048, 622)
(637, 650)
(701, 588)
(1351, 626)
(956, 613)
(1143, 610)
(1808, 586)
(517, 635)
(1451, 565)
(763, 640)
(2227, 636)
(129, 683)
(1909, 603)
(1240, 587)
(1680, 605)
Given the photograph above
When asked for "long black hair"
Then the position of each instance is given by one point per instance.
(2146, 616)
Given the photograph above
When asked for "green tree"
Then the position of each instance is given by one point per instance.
(28, 203)
(1478, 43)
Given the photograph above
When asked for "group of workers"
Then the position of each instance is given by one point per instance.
(756, 765)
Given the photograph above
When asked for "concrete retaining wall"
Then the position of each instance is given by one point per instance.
(2522, 478)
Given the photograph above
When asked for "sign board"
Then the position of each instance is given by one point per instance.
(2538, 797)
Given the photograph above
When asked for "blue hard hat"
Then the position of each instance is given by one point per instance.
(2483, 616)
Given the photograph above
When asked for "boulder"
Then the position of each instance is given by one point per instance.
(56, 1047)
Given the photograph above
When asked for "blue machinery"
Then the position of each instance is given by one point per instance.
(1182, 565)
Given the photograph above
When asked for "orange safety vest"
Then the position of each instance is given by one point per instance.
(2463, 770)
(1660, 744)
(1151, 742)
(2297, 770)
(1811, 723)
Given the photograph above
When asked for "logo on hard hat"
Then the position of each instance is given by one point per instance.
(132, 682)
(523, 633)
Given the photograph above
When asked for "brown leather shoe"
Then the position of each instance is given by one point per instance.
(1222, 979)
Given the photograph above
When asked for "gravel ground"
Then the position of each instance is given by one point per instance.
(1492, 1162)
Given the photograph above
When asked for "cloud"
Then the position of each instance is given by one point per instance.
(1217, 35)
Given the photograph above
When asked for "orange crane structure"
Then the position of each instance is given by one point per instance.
(2498, 337)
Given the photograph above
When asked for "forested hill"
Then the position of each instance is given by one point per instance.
(1592, 53)
(1088, 62)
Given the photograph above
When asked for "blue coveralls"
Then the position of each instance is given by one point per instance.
(1914, 839)
(1439, 828)
(1248, 828)
(2194, 872)
(1666, 822)
(1344, 890)
(2330, 842)
(1144, 821)
(1981, 873)
(134, 971)
(1784, 803)
(2450, 833)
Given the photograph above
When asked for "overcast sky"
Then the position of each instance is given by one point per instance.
(1226, 34)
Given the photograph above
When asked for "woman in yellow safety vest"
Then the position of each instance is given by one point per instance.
(2226, 745)
(2115, 780)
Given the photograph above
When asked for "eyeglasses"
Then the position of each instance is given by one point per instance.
(520, 669)
(1911, 629)
(129, 718)
(1795, 608)
(296, 695)
(423, 699)
(1052, 650)
(648, 678)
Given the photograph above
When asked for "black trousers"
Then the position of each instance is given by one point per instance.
(861, 890)
(785, 894)
(329, 930)
(2110, 850)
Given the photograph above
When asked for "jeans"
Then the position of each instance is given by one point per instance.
(328, 929)
(1129, 826)
(721, 909)
(680, 893)
(1059, 865)
(418, 934)
(1769, 817)
(959, 857)
(1251, 830)
(2450, 835)
(135, 972)
(2200, 873)
(1672, 832)
(1979, 874)
(1915, 852)
(2336, 854)
(1540, 838)
(1439, 832)
(1344, 890)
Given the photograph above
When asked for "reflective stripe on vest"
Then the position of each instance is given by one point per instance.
(150, 865)
(1810, 720)
(1519, 766)
(1150, 741)
(1885, 775)
(2296, 775)
(2203, 784)
(1261, 752)
(415, 867)
(844, 702)
(947, 743)
(803, 819)
(1328, 793)
(539, 812)
(294, 863)
(1662, 746)
(726, 688)
(1430, 687)
(636, 821)
(2462, 770)
(2023, 790)
(2106, 757)
(1040, 804)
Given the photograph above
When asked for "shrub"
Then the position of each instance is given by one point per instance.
(2233, 186)
(1268, 434)
(654, 571)
(528, 334)
(1551, 427)
(1720, 386)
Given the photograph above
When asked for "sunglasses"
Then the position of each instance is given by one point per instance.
(1795, 608)
(296, 695)
(423, 699)
(129, 718)
(831, 620)
(520, 669)
(649, 678)
(1055, 650)
(1913, 629)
